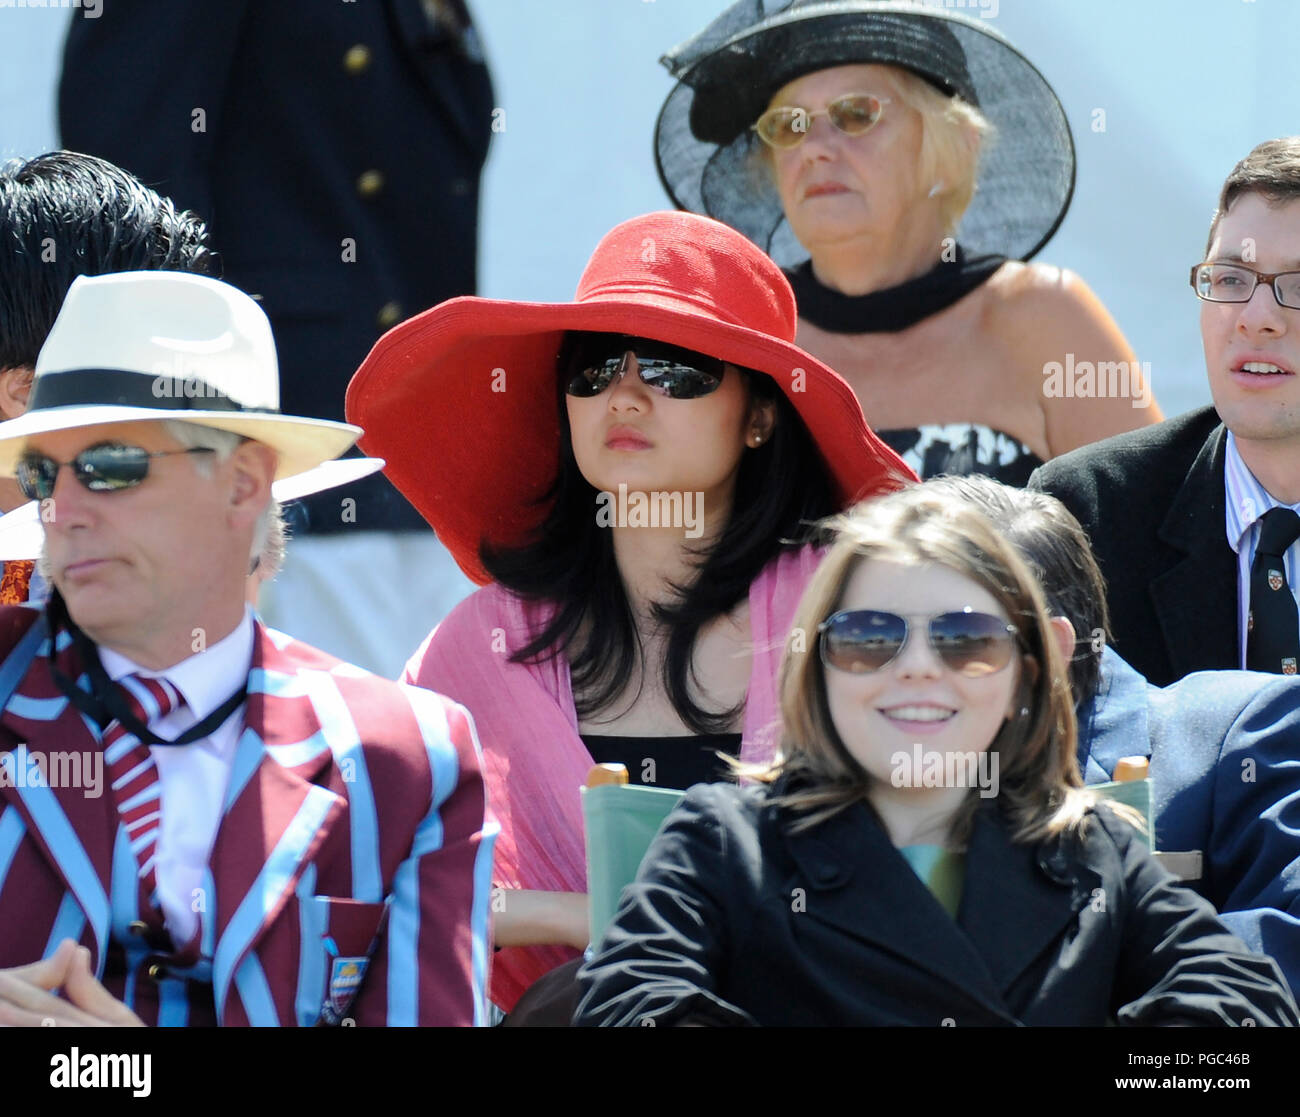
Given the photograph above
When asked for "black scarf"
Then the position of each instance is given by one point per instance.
(894, 308)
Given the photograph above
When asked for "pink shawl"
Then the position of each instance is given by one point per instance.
(534, 760)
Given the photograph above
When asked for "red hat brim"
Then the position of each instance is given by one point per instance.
(461, 402)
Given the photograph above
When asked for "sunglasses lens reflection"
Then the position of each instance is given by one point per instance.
(860, 641)
(972, 644)
(863, 640)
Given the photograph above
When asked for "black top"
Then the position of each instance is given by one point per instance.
(672, 762)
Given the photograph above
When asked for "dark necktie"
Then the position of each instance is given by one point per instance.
(1273, 631)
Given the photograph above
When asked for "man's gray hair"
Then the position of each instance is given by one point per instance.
(267, 552)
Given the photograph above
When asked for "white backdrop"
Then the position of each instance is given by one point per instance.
(580, 85)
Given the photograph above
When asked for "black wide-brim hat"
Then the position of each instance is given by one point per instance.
(705, 149)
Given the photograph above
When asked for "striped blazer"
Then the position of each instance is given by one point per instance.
(350, 874)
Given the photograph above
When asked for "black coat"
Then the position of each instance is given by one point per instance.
(336, 160)
(1152, 502)
(734, 920)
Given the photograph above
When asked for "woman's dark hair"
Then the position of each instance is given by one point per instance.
(782, 489)
(65, 214)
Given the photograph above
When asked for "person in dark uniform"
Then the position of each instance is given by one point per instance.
(335, 153)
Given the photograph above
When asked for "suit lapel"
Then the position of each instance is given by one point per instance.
(1196, 599)
(275, 820)
(859, 883)
(57, 782)
(1017, 899)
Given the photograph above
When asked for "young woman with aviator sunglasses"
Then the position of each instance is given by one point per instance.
(922, 851)
(606, 634)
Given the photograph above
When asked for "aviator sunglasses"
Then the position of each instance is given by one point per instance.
(972, 644)
(102, 468)
(787, 126)
(595, 361)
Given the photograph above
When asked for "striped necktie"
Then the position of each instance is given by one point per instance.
(132, 772)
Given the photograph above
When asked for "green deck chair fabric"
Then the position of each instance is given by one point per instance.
(621, 823)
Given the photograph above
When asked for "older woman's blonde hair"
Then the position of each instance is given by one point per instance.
(1040, 791)
(953, 133)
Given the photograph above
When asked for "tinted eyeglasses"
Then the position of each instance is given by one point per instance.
(972, 644)
(596, 361)
(1232, 283)
(787, 126)
(102, 468)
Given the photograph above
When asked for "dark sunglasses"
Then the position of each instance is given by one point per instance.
(103, 468)
(972, 644)
(595, 362)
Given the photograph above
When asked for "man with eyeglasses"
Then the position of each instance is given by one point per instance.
(203, 821)
(1194, 521)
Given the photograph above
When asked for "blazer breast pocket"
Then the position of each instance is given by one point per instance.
(339, 936)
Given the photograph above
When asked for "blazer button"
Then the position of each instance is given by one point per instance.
(156, 971)
(137, 927)
(357, 59)
(389, 315)
(370, 183)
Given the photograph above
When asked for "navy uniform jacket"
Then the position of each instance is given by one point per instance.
(336, 160)
(1225, 780)
(734, 920)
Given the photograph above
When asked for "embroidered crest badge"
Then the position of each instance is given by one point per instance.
(1288, 665)
(1275, 580)
(345, 979)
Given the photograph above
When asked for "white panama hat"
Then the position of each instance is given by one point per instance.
(167, 345)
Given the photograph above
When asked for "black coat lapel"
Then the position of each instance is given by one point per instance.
(858, 882)
(1196, 599)
(1018, 899)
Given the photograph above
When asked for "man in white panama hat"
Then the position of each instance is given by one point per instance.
(235, 828)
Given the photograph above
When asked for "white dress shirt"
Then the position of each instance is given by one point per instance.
(1246, 501)
(193, 778)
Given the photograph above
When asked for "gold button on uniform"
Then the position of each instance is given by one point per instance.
(389, 315)
(137, 927)
(370, 183)
(357, 59)
(155, 972)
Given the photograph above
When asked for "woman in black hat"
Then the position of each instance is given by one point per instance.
(902, 164)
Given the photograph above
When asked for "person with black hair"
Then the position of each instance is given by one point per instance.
(62, 215)
(635, 473)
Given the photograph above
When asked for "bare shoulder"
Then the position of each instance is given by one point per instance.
(1037, 297)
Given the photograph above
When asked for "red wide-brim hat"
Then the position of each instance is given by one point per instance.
(461, 400)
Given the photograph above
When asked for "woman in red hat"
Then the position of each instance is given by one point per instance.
(903, 163)
(636, 474)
